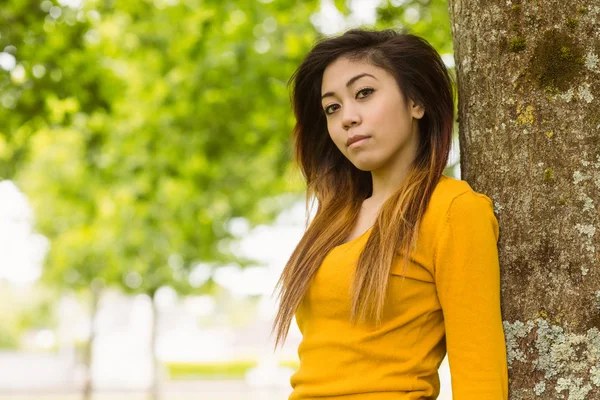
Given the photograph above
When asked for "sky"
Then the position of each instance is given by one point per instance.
(21, 249)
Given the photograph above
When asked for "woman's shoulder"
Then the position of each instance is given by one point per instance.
(451, 192)
(453, 202)
(449, 188)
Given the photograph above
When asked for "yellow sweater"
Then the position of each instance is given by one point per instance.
(449, 301)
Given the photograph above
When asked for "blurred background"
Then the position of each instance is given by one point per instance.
(148, 202)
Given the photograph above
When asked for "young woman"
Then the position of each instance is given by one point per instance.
(399, 264)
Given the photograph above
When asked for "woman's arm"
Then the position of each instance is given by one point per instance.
(467, 274)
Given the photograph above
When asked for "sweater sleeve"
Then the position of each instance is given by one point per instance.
(467, 276)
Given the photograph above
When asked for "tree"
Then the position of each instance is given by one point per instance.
(187, 130)
(48, 74)
(426, 18)
(529, 84)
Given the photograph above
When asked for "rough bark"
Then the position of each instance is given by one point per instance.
(529, 90)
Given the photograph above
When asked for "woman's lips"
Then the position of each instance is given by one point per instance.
(355, 142)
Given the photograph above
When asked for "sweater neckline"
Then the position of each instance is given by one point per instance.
(350, 242)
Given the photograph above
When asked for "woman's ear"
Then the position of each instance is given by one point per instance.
(417, 110)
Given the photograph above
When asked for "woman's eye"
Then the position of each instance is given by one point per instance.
(329, 110)
(365, 92)
(368, 91)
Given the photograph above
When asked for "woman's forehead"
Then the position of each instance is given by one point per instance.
(341, 71)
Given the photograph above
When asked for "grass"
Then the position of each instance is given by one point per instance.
(216, 370)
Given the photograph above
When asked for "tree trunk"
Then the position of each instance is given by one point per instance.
(529, 90)
(89, 347)
(155, 388)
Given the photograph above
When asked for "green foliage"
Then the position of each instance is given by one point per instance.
(21, 311)
(342, 6)
(154, 124)
(56, 74)
(139, 129)
(8, 338)
(427, 18)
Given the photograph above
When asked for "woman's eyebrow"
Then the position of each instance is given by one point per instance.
(350, 82)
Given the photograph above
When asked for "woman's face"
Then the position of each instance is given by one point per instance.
(360, 99)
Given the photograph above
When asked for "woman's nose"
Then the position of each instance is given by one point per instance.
(350, 118)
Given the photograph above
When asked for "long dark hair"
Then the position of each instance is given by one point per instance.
(421, 76)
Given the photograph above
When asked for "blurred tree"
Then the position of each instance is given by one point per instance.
(183, 125)
(426, 18)
(25, 311)
(47, 73)
(139, 129)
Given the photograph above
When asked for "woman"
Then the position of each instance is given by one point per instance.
(400, 262)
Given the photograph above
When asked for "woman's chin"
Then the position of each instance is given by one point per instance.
(365, 165)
